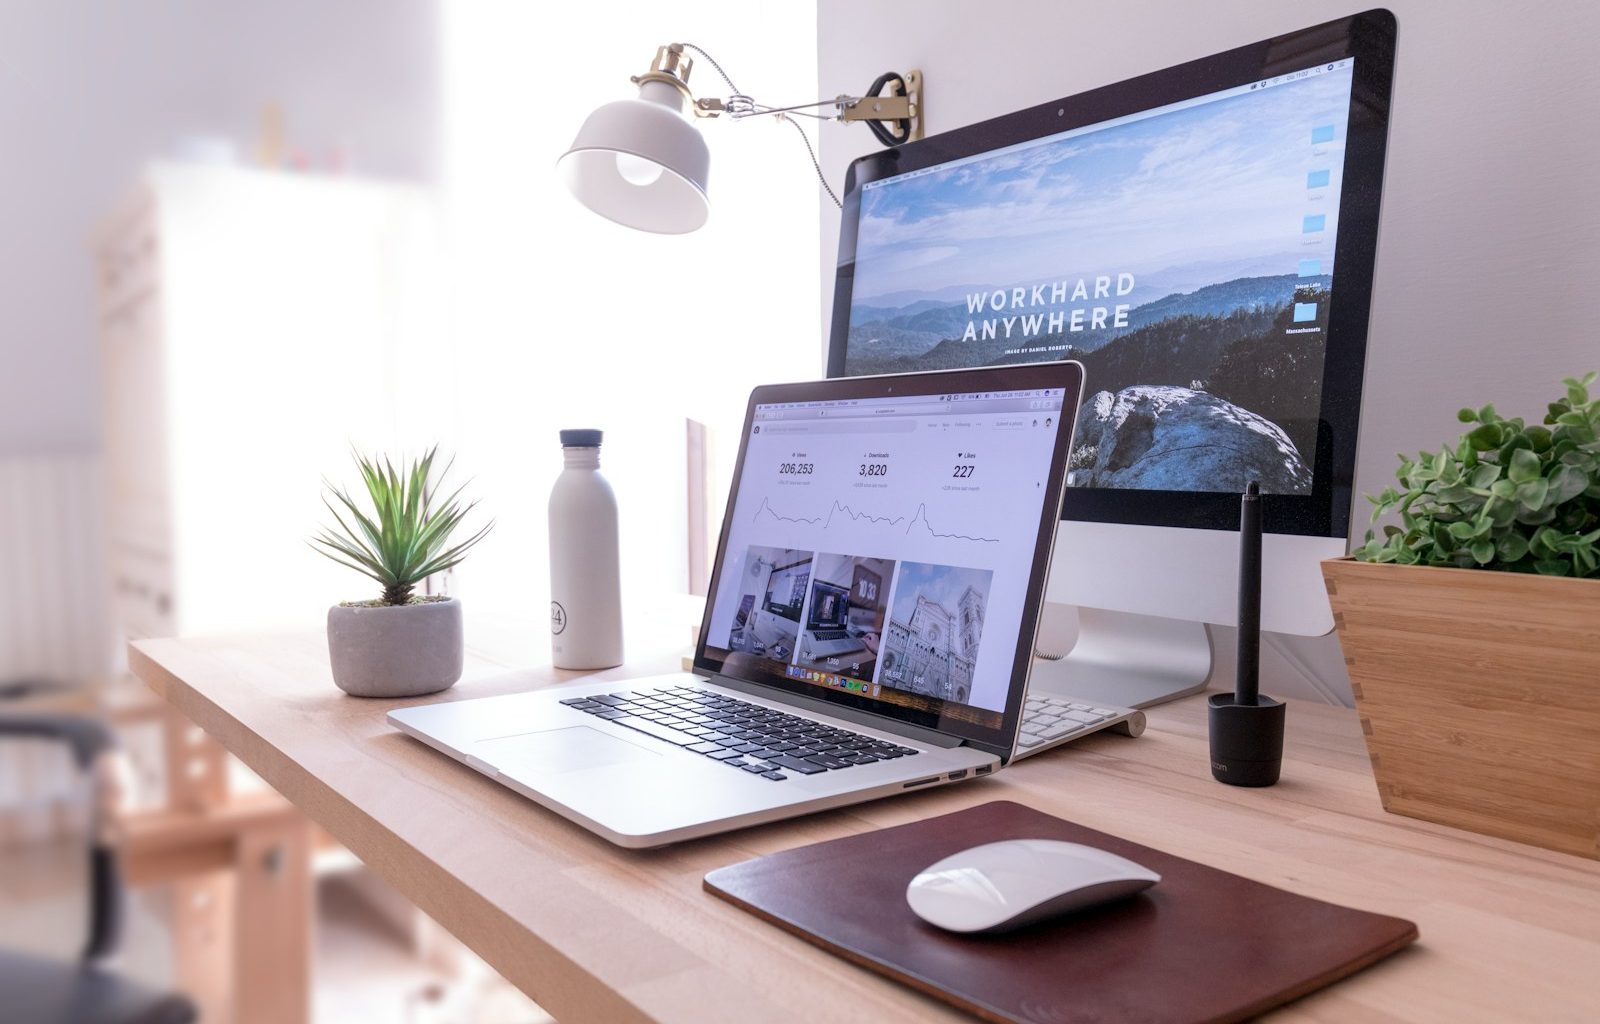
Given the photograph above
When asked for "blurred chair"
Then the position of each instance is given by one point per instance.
(43, 991)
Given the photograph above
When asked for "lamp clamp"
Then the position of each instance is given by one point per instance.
(899, 112)
(894, 116)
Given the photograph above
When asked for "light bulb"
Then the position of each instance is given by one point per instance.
(636, 170)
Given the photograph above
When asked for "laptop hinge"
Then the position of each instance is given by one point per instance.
(910, 732)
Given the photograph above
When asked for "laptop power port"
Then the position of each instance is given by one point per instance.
(920, 782)
(954, 776)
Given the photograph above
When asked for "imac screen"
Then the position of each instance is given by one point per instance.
(1184, 254)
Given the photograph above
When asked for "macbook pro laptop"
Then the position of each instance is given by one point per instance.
(869, 630)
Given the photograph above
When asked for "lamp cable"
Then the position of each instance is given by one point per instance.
(814, 162)
(713, 62)
(742, 99)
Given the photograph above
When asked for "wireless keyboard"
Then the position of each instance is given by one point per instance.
(1049, 721)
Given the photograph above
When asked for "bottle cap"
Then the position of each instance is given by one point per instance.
(580, 438)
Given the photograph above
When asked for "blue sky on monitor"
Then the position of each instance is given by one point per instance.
(1217, 190)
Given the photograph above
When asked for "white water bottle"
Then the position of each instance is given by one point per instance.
(585, 567)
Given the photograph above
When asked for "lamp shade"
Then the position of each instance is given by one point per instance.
(641, 163)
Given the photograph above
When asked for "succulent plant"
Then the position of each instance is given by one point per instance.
(407, 536)
(1507, 496)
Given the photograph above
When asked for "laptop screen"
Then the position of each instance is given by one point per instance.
(879, 547)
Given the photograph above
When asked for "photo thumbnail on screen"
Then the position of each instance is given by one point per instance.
(930, 645)
(772, 593)
(844, 621)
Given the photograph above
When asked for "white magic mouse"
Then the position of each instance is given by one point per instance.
(1000, 886)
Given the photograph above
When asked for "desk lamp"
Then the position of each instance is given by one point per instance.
(643, 164)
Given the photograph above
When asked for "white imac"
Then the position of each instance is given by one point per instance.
(1202, 240)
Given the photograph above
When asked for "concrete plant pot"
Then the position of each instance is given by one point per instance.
(395, 650)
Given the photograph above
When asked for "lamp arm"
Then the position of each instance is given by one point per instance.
(895, 118)
(733, 104)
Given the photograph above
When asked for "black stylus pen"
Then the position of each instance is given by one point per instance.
(1248, 679)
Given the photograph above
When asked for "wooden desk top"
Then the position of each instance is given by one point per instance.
(596, 933)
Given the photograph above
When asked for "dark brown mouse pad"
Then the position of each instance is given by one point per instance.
(1201, 945)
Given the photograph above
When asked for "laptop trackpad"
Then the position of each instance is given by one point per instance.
(558, 750)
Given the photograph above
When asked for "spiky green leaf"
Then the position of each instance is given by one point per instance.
(405, 536)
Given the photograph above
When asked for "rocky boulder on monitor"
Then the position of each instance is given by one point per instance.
(1159, 437)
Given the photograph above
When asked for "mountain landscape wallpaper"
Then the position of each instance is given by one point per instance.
(1185, 258)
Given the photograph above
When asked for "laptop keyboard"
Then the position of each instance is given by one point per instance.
(750, 737)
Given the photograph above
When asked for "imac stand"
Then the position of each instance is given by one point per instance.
(1123, 659)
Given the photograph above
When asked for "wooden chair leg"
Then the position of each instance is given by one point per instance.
(273, 925)
(197, 765)
(202, 940)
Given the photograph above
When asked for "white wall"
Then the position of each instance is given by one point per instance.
(89, 91)
(561, 318)
(565, 319)
(1489, 243)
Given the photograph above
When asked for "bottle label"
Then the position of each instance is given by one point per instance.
(558, 618)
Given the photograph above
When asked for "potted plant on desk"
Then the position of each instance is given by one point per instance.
(402, 644)
(1472, 629)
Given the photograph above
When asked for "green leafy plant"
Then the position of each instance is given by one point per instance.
(407, 536)
(1508, 496)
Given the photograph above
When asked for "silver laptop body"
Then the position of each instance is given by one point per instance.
(930, 501)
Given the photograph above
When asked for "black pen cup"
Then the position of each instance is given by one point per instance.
(1246, 740)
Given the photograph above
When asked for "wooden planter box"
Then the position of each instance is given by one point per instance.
(1479, 694)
